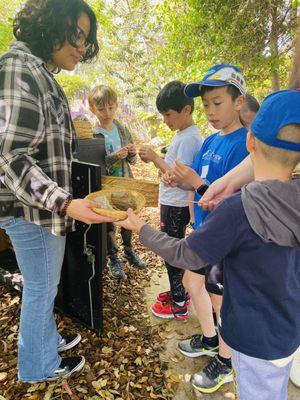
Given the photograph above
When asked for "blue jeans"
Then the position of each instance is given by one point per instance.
(259, 379)
(40, 256)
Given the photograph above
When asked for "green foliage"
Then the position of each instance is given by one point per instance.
(6, 36)
(147, 43)
(72, 84)
(128, 45)
(256, 35)
(7, 11)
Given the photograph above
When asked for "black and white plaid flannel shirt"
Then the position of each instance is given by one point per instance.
(36, 134)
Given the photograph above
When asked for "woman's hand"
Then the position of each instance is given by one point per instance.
(132, 223)
(122, 153)
(186, 174)
(81, 210)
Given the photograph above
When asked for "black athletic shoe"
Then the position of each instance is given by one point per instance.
(67, 367)
(68, 342)
(131, 257)
(115, 268)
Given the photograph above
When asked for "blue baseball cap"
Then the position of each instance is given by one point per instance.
(218, 75)
(277, 110)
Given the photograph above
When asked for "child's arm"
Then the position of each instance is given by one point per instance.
(172, 250)
(228, 184)
(148, 154)
(209, 244)
(187, 175)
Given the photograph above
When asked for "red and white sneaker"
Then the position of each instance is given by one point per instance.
(166, 297)
(170, 310)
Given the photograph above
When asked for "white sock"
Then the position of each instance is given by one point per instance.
(180, 303)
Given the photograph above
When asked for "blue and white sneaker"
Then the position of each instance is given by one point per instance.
(68, 342)
(67, 367)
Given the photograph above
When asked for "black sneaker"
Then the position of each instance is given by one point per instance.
(67, 367)
(195, 347)
(68, 342)
(131, 257)
(212, 377)
(115, 268)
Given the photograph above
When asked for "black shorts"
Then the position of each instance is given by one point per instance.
(213, 278)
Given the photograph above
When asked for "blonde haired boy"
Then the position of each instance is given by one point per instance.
(120, 153)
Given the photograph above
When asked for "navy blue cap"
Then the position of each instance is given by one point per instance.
(277, 110)
(218, 75)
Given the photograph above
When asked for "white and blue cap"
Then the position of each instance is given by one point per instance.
(218, 75)
(277, 110)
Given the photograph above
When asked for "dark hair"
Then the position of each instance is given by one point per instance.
(45, 25)
(251, 103)
(232, 90)
(172, 97)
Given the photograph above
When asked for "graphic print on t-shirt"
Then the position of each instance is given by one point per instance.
(113, 144)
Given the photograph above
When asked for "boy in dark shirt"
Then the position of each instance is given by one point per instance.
(256, 234)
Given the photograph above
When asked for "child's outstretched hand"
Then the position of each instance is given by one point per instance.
(187, 174)
(132, 223)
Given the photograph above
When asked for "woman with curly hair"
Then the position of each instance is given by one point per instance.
(36, 137)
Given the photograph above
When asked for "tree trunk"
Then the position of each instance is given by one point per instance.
(295, 75)
(274, 36)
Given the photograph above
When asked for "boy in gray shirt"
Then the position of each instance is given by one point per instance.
(176, 109)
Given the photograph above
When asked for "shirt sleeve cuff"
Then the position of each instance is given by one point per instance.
(55, 199)
(145, 232)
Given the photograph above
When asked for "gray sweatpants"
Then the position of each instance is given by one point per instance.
(259, 379)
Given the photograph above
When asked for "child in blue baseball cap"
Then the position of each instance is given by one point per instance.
(256, 234)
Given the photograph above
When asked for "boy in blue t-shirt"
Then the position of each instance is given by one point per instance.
(255, 233)
(222, 90)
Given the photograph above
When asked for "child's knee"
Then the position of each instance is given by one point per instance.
(193, 282)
